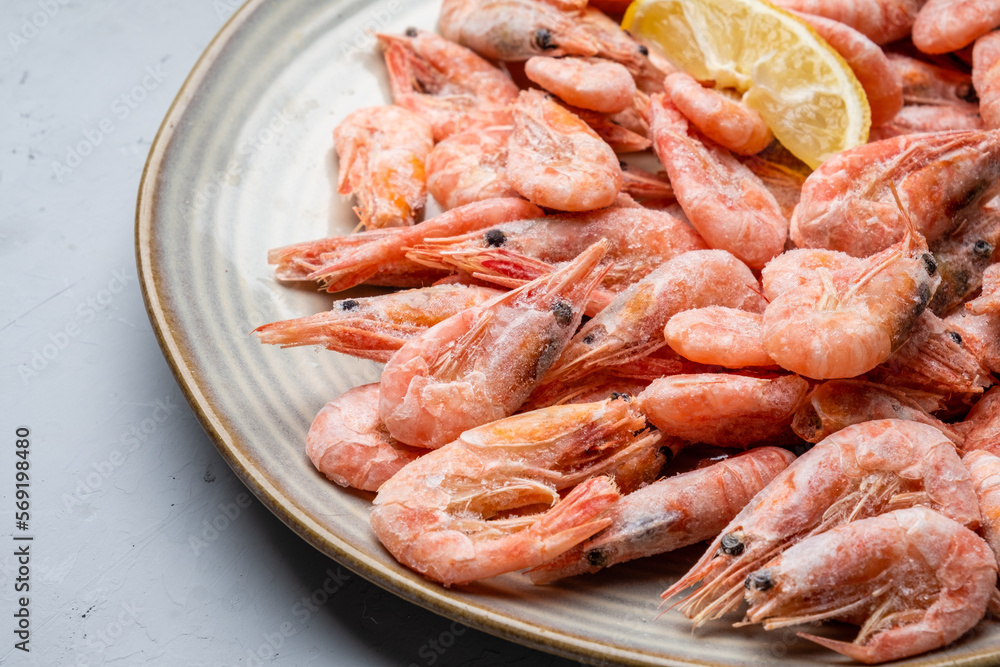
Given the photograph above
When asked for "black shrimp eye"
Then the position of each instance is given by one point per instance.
(588, 339)
(616, 395)
(643, 50)
(982, 248)
(411, 32)
(349, 304)
(668, 454)
(495, 238)
(597, 558)
(929, 263)
(761, 580)
(967, 92)
(543, 39)
(955, 337)
(563, 312)
(732, 544)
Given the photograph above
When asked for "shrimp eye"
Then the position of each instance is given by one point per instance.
(732, 544)
(411, 32)
(759, 581)
(597, 558)
(622, 165)
(563, 312)
(495, 238)
(643, 50)
(668, 454)
(955, 337)
(349, 304)
(929, 263)
(588, 339)
(967, 92)
(543, 39)
(616, 395)
(982, 248)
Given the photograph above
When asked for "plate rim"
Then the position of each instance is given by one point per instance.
(428, 595)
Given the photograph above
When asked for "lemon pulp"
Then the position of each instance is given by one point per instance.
(805, 91)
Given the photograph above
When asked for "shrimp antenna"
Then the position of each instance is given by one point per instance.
(911, 227)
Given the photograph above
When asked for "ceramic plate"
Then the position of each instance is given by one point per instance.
(243, 163)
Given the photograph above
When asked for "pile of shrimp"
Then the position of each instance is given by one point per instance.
(588, 361)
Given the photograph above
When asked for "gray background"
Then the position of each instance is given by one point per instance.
(147, 548)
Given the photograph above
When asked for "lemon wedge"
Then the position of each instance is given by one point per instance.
(805, 91)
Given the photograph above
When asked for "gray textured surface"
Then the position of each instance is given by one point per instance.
(146, 549)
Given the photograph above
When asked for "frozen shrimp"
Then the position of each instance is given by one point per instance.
(988, 301)
(914, 581)
(631, 327)
(837, 404)
(728, 205)
(928, 84)
(943, 26)
(593, 388)
(470, 166)
(619, 46)
(844, 323)
(671, 513)
(796, 267)
(382, 152)
(982, 424)
(717, 335)
(446, 83)
(979, 334)
(640, 240)
(468, 511)
(916, 118)
(378, 257)
(858, 472)
(721, 409)
(481, 364)
(589, 83)
(848, 202)
(881, 21)
(375, 327)
(934, 360)
(984, 467)
(555, 160)
(515, 29)
(964, 253)
(723, 119)
(986, 77)
(869, 63)
(349, 444)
